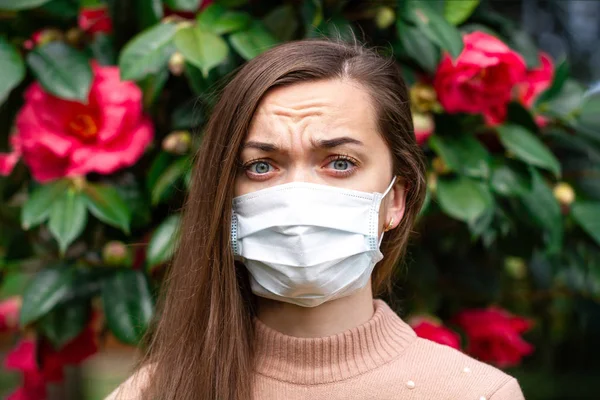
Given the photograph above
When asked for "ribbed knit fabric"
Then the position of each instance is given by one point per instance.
(382, 359)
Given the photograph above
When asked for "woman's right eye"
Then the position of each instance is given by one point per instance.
(259, 167)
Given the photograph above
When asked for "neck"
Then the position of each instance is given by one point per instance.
(326, 319)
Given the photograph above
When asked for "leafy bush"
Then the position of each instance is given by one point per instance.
(99, 100)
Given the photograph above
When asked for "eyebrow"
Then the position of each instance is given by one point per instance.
(335, 142)
(322, 143)
(266, 147)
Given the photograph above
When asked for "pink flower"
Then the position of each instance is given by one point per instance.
(60, 138)
(9, 313)
(481, 79)
(424, 125)
(94, 20)
(536, 81)
(25, 356)
(432, 329)
(9, 160)
(494, 335)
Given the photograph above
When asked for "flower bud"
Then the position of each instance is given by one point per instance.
(516, 267)
(176, 63)
(423, 125)
(9, 314)
(440, 166)
(385, 17)
(42, 37)
(432, 182)
(564, 193)
(423, 98)
(115, 253)
(74, 36)
(177, 142)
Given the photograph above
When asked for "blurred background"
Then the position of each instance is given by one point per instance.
(103, 103)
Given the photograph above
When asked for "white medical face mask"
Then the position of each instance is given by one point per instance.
(306, 243)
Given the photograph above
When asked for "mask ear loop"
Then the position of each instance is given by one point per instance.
(382, 197)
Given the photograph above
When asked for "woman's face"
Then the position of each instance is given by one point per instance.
(322, 132)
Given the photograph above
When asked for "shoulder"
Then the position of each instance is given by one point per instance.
(457, 374)
(132, 388)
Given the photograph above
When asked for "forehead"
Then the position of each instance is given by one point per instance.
(329, 102)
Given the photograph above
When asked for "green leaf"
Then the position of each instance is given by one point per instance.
(12, 67)
(231, 3)
(61, 70)
(64, 323)
(544, 210)
(587, 214)
(68, 218)
(589, 114)
(149, 12)
(148, 52)
(201, 48)
(463, 198)
(21, 4)
(152, 87)
(561, 73)
(519, 115)
(458, 11)
(250, 42)
(566, 102)
(525, 146)
(434, 26)
(128, 305)
(37, 207)
(184, 5)
(44, 292)
(522, 42)
(218, 20)
(167, 180)
(105, 203)
(162, 245)
(103, 49)
(462, 153)
(510, 178)
(418, 47)
(281, 21)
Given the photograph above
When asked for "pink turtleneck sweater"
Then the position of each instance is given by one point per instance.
(382, 359)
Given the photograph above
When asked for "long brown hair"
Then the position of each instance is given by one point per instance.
(201, 344)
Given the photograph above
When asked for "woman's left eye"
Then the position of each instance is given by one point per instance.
(341, 164)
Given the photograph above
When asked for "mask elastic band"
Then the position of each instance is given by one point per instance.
(385, 194)
(389, 187)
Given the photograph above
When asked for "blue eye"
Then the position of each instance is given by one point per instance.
(341, 165)
(259, 167)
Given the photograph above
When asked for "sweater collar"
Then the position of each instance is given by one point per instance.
(310, 361)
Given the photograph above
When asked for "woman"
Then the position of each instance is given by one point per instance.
(303, 196)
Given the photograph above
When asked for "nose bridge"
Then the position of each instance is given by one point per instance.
(301, 168)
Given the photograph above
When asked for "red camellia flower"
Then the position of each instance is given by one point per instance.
(481, 79)
(94, 20)
(9, 313)
(432, 329)
(536, 81)
(24, 358)
(494, 335)
(59, 138)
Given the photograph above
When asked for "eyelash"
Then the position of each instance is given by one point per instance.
(337, 157)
